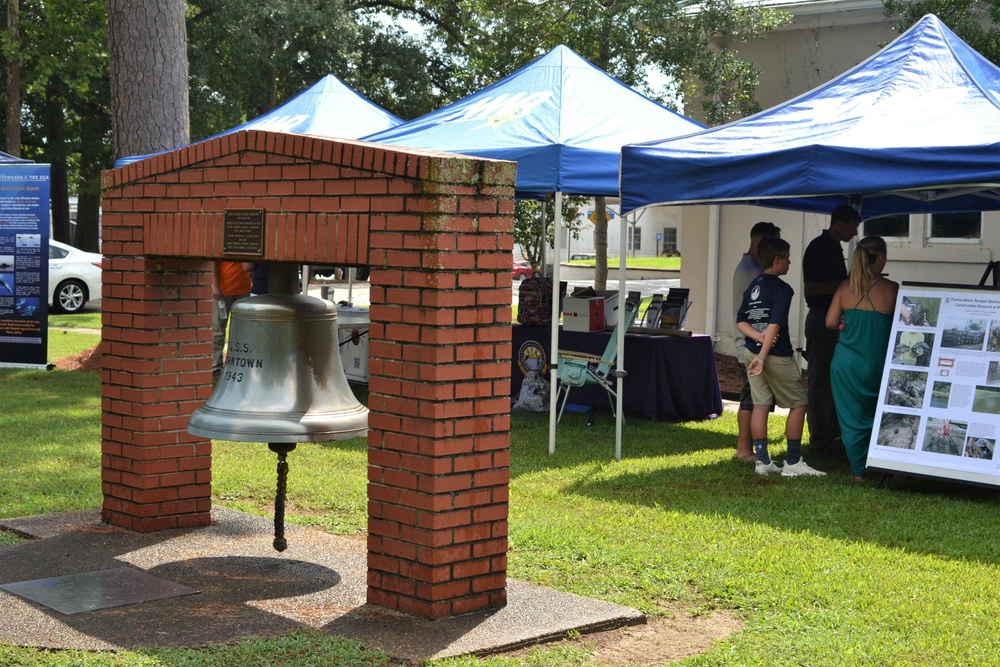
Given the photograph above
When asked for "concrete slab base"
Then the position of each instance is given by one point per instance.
(247, 589)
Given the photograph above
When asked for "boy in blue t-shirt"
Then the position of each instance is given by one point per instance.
(774, 375)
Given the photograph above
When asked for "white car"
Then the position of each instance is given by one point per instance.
(74, 277)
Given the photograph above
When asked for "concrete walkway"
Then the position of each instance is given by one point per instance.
(247, 589)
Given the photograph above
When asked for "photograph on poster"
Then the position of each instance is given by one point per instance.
(963, 334)
(28, 241)
(979, 448)
(993, 374)
(940, 393)
(6, 262)
(943, 436)
(912, 348)
(919, 311)
(26, 306)
(898, 430)
(906, 388)
(986, 400)
(993, 340)
(6, 284)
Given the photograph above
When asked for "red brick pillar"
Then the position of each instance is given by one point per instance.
(436, 231)
(439, 381)
(156, 327)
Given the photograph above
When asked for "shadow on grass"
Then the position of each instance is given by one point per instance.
(678, 467)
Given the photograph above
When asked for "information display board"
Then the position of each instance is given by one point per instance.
(939, 405)
(24, 264)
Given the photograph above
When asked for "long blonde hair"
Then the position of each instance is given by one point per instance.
(868, 250)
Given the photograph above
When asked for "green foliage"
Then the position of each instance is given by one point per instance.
(630, 39)
(977, 22)
(527, 223)
(246, 56)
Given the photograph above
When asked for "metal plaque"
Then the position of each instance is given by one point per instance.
(243, 232)
(87, 591)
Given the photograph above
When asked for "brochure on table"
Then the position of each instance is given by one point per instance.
(939, 405)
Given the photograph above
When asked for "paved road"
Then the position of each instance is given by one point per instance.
(357, 293)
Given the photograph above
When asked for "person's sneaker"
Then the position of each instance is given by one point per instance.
(800, 468)
(768, 468)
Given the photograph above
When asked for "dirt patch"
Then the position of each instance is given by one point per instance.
(88, 360)
(730, 379)
(659, 641)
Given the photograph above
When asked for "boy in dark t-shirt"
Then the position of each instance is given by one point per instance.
(774, 375)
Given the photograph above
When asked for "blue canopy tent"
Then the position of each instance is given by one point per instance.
(328, 108)
(563, 121)
(913, 129)
(7, 158)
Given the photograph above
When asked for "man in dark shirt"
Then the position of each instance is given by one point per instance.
(823, 269)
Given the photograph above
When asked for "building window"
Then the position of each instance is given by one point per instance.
(946, 227)
(669, 240)
(634, 238)
(956, 226)
(889, 226)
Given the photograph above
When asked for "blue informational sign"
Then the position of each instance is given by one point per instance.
(24, 264)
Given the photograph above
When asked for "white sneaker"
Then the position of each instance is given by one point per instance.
(800, 468)
(767, 469)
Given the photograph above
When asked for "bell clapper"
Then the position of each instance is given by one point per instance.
(281, 449)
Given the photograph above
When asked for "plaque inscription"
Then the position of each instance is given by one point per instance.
(243, 232)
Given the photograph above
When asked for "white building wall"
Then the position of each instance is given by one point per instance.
(650, 223)
(910, 260)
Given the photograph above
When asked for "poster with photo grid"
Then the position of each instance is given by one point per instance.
(939, 404)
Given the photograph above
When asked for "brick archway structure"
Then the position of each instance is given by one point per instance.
(436, 231)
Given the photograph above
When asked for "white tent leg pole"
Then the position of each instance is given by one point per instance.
(350, 284)
(542, 243)
(712, 300)
(554, 341)
(620, 381)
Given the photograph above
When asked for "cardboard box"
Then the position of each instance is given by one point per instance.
(610, 307)
(583, 313)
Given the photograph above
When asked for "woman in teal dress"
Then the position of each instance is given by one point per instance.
(862, 309)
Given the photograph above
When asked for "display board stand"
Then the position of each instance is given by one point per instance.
(24, 265)
(938, 412)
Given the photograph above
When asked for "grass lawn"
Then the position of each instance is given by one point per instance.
(671, 263)
(823, 571)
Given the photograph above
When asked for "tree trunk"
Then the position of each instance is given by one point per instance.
(601, 243)
(147, 50)
(93, 156)
(12, 126)
(54, 125)
(59, 198)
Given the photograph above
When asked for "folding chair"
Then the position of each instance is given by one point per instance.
(578, 369)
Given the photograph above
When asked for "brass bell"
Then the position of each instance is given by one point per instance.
(282, 383)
